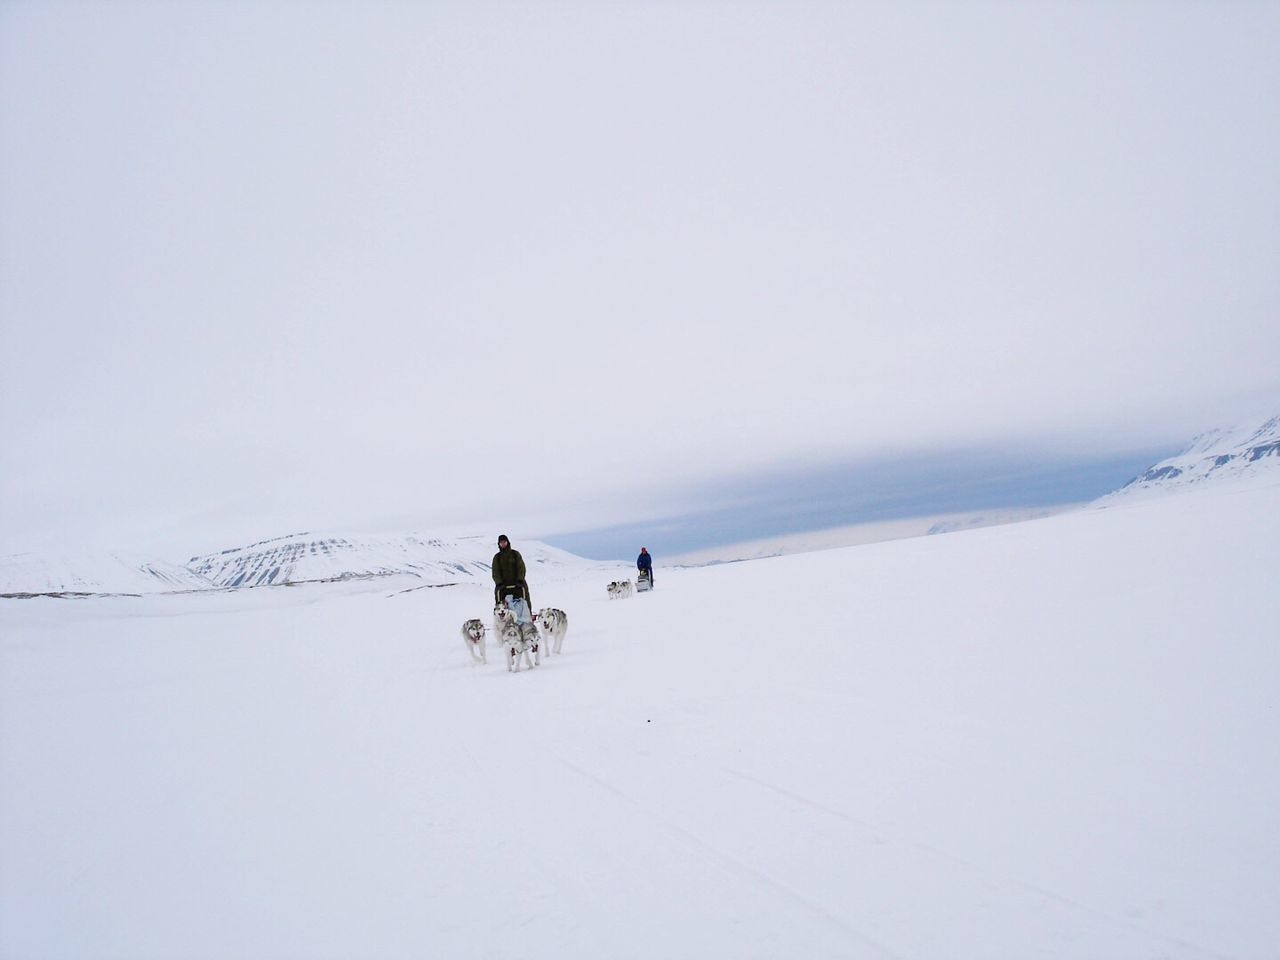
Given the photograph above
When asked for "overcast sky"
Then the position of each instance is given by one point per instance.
(268, 266)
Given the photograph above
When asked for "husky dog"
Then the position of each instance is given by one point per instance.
(501, 616)
(520, 639)
(619, 589)
(532, 641)
(473, 636)
(554, 624)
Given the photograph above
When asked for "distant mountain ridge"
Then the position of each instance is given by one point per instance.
(292, 559)
(1244, 453)
(26, 573)
(304, 557)
(1251, 451)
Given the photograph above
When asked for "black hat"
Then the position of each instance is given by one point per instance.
(503, 536)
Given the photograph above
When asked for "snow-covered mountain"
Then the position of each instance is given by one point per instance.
(305, 557)
(297, 558)
(1244, 453)
(94, 573)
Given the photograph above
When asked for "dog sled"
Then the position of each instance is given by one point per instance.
(643, 581)
(519, 610)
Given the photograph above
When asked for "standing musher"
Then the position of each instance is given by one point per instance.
(508, 574)
(644, 563)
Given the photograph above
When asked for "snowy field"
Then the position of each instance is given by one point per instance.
(1059, 738)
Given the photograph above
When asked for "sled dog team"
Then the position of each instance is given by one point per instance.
(519, 631)
(620, 589)
(520, 638)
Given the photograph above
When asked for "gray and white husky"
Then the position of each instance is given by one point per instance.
(554, 624)
(520, 639)
(501, 616)
(473, 635)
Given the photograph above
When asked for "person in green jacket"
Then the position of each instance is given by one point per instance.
(508, 574)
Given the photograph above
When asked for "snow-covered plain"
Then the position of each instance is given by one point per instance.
(1058, 738)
